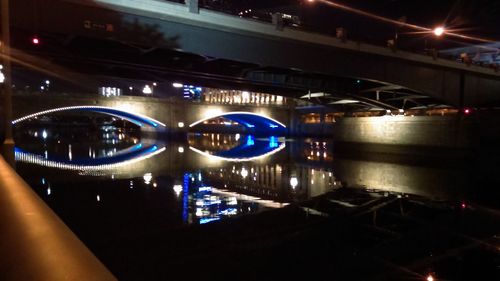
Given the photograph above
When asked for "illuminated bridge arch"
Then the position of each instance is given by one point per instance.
(135, 118)
(251, 121)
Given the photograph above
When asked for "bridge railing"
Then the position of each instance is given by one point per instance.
(34, 243)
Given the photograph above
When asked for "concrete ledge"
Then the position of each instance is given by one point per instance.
(34, 243)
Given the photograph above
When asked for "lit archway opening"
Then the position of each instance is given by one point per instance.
(250, 120)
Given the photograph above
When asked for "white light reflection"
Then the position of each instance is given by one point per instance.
(147, 178)
(38, 160)
(177, 189)
(243, 197)
(244, 172)
(70, 153)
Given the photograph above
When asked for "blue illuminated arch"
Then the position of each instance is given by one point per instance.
(135, 118)
(250, 120)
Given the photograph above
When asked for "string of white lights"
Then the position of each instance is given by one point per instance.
(91, 107)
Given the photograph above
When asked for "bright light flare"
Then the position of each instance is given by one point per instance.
(429, 278)
(438, 31)
(401, 23)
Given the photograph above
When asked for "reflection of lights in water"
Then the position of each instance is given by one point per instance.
(147, 178)
(38, 160)
(177, 189)
(237, 136)
(180, 149)
(232, 201)
(131, 184)
(49, 191)
(294, 182)
(250, 140)
(70, 153)
(204, 188)
(44, 134)
(98, 198)
(215, 157)
(244, 172)
(147, 90)
(155, 184)
(199, 177)
(46, 154)
(243, 197)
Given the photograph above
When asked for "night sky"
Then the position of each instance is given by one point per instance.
(479, 18)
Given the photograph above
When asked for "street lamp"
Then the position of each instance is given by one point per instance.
(438, 31)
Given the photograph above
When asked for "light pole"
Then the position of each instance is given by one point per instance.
(8, 143)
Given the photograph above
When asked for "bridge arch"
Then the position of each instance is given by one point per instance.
(250, 120)
(136, 118)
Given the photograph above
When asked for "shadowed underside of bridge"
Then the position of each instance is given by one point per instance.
(158, 40)
(253, 123)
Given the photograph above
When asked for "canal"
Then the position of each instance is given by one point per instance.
(231, 206)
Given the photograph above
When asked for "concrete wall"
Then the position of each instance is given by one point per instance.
(431, 131)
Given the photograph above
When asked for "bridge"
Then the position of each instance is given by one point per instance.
(153, 114)
(160, 39)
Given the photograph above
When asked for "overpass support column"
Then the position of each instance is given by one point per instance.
(193, 6)
(8, 142)
(461, 90)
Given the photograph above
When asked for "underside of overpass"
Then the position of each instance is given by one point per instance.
(130, 43)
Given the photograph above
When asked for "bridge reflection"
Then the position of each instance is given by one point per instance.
(225, 175)
(249, 149)
(127, 156)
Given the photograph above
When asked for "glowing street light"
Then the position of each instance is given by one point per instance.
(438, 31)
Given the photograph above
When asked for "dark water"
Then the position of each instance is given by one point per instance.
(116, 190)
